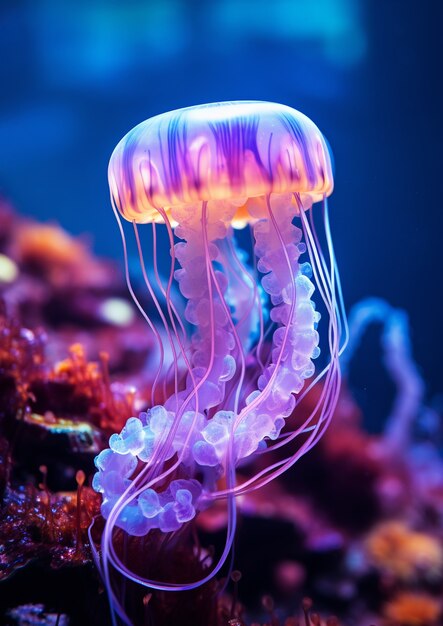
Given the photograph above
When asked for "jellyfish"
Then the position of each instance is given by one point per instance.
(232, 185)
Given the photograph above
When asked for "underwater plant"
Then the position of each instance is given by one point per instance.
(245, 348)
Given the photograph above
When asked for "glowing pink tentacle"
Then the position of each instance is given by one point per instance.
(157, 305)
(108, 550)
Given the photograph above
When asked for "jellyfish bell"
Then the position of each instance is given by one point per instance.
(219, 151)
(244, 350)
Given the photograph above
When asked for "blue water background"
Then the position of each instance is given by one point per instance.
(77, 75)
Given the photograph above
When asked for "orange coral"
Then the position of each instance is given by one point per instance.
(403, 553)
(412, 609)
(48, 249)
(90, 380)
(23, 374)
(21, 361)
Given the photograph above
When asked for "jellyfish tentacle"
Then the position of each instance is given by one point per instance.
(338, 328)
(242, 306)
(159, 310)
(170, 307)
(277, 246)
(324, 408)
(196, 289)
(326, 280)
(260, 305)
(243, 293)
(137, 302)
(341, 311)
(295, 342)
(156, 436)
(170, 518)
(172, 311)
(159, 510)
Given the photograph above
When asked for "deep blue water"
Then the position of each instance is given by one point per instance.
(76, 76)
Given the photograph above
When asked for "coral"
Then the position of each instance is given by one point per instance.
(88, 384)
(48, 250)
(412, 609)
(41, 407)
(21, 362)
(28, 381)
(37, 524)
(404, 554)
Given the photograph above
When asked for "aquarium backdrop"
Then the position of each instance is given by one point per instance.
(76, 76)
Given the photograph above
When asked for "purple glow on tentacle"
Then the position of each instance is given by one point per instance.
(342, 321)
(122, 503)
(169, 308)
(340, 312)
(198, 294)
(173, 315)
(139, 306)
(158, 307)
(340, 316)
(275, 284)
(328, 398)
(212, 335)
(248, 440)
(238, 342)
(247, 309)
(258, 348)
